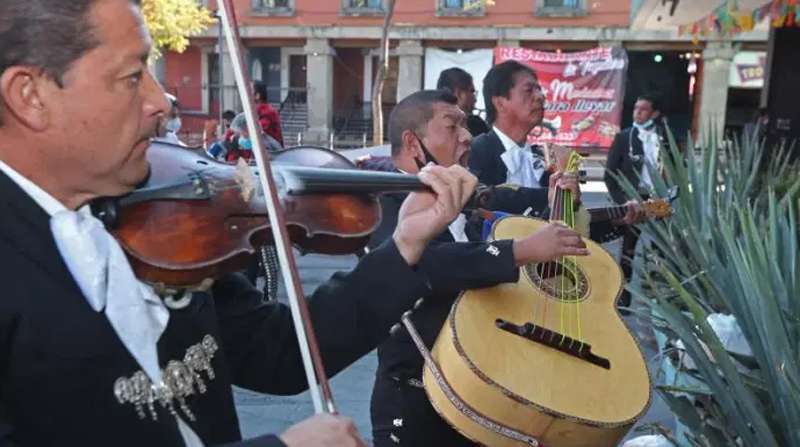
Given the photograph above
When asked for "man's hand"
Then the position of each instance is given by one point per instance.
(424, 215)
(634, 213)
(323, 430)
(567, 182)
(559, 155)
(551, 242)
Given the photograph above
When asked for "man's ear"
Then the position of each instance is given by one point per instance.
(411, 145)
(499, 104)
(21, 90)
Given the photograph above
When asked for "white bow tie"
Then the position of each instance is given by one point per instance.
(524, 167)
(106, 279)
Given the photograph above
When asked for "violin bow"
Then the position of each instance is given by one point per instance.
(309, 348)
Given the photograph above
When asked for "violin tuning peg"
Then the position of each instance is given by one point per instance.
(419, 303)
(407, 314)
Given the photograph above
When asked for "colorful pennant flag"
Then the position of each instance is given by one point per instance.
(727, 19)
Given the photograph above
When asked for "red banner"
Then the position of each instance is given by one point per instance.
(584, 94)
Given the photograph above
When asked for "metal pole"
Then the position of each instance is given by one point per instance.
(221, 81)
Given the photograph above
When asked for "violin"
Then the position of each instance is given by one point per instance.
(196, 218)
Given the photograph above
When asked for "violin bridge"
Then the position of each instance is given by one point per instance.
(555, 340)
(245, 179)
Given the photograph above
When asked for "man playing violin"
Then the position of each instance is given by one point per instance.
(91, 355)
(428, 127)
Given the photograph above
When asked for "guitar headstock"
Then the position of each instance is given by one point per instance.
(657, 208)
(561, 156)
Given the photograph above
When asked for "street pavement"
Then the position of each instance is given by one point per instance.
(260, 414)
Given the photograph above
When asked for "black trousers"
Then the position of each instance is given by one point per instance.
(403, 416)
(629, 240)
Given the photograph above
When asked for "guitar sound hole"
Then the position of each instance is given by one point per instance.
(563, 281)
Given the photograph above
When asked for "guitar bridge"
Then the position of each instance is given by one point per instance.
(555, 340)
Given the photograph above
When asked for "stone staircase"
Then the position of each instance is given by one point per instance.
(294, 121)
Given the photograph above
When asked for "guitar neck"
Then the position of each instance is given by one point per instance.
(606, 213)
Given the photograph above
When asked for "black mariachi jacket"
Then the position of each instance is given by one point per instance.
(626, 158)
(59, 359)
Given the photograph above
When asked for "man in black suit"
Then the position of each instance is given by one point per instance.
(428, 127)
(636, 147)
(634, 153)
(514, 106)
(90, 355)
(459, 83)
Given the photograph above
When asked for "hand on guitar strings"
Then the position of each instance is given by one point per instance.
(551, 242)
(566, 181)
(424, 215)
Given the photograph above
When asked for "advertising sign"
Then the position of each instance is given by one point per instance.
(747, 69)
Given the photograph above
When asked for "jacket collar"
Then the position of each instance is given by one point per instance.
(26, 226)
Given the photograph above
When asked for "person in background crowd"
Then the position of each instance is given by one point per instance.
(171, 124)
(211, 140)
(268, 117)
(227, 119)
(459, 83)
(634, 155)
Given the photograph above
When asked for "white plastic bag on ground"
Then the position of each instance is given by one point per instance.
(729, 333)
(648, 441)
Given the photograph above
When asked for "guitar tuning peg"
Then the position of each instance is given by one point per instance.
(419, 303)
(407, 314)
(395, 329)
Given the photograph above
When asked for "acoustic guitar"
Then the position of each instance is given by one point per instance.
(546, 361)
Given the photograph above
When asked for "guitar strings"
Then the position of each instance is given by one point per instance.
(570, 317)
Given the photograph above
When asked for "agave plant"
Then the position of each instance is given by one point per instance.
(730, 248)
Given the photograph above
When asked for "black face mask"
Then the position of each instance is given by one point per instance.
(428, 155)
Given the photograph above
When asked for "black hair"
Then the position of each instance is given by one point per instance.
(260, 90)
(228, 115)
(498, 82)
(653, 98)
(413, 112)
(454, 79)
(48, 34)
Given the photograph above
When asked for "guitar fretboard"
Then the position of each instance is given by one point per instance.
(607, 213)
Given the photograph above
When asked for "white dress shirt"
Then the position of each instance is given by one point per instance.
(101, 266)
(652, 151)
(524, 167)
(457, 228)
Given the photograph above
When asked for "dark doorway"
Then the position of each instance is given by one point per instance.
(297, 78)
(269, 61)
(664, 73)
(784, 94)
